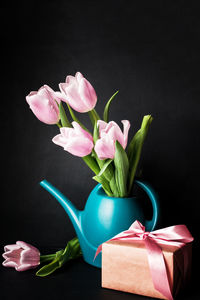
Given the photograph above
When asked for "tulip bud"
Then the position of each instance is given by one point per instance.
(80, 94)
(43, 104)
(21, 256)
(109, 133)
(75, 140)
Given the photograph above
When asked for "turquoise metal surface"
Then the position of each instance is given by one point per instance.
(104, 216)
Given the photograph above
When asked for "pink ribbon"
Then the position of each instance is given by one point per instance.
(177, 235)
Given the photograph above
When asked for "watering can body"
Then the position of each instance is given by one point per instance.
(103, 217)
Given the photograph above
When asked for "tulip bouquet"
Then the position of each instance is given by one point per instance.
(103, 149)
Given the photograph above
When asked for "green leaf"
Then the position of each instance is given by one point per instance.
(109, 174)
(71, 251)
(105, 166)
(92, 164)
(107, 107)
(52, 266)
(135, 148)
(64, 120)
(104, 183)
(107, 170)
(95, 132)
(113, 186)
(91, 118)
(121, 169)
(48, 269)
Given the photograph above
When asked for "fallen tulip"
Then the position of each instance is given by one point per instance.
(21, 256)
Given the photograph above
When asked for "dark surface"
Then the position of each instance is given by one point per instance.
(77, 280)
(150, 52)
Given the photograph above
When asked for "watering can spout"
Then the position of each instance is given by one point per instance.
(73, 213)
(76, 217)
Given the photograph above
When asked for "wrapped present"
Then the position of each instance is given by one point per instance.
(155, 264)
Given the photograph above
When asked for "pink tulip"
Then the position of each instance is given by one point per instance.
(21, 256)
(75, 140)
(109, 133)
(80, 94)
(43, 104)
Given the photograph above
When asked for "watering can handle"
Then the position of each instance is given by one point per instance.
(150, 225)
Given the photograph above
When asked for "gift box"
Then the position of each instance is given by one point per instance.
(149, 264)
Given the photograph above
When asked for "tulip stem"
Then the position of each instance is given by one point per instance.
(96, 114)
(71, 251)
(45, 258)
(63, 118)
(91, 118)
(76, 119)
(94, 117)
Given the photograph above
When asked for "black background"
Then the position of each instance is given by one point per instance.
(149, 51)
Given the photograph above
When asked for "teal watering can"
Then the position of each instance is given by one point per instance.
(103, 217)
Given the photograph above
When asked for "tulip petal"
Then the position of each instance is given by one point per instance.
(101, 126)
(70, 80)
(46, 91)
(60, 97)
(78, 76)
(72, 96)
(80, 94)
(109, 133)
(114, 132)
(11, 247)
(105, 148)
(21, 256)
(13, 254)
(79, 146)
(87, 94)
(28, 98)
(65, 131)
(80, 131)
(59, 140)
(9, 263)
(75, 140)
(24, 267)
(43, 105)
(30, 256)
(24, 245)
(62, 86)
(126, 125)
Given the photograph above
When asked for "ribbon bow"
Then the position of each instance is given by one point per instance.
(177, 235)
